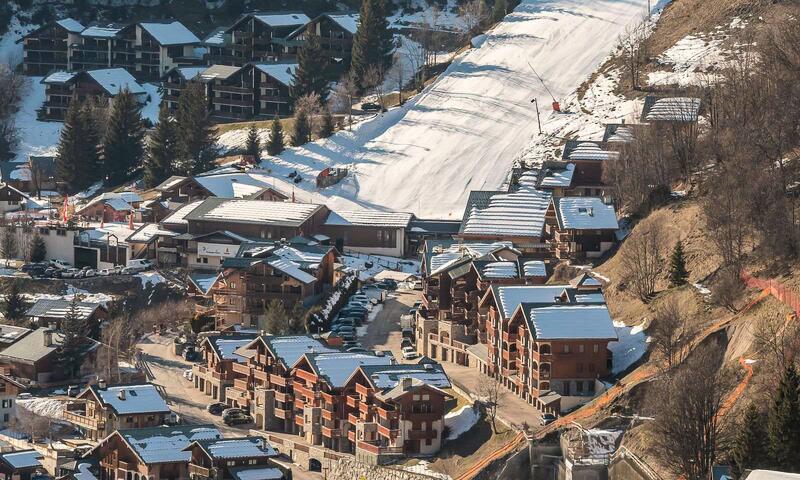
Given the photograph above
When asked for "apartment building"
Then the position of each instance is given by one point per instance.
(100, 410)
(175, 80)
(242, 458)
(99, 86)
(215, 374)
(336, 32)
(581, 227)
(156, 453)
(46, 49)
(256, 37)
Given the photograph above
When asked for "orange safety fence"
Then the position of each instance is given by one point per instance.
(474, 470)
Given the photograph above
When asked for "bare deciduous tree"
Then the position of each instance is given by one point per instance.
(473, 15)
(491, 393)
(728, 289)
(688, 430)
(669, 332)
(34, 425)
(642, 263)
(634, 44)
(343, 97)
(373, 80)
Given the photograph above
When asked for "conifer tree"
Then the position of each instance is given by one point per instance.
(373, 42)
(784, 423)
(77, 156)
(195, 134)
(301, 133)
(15, 307)
(8, 243)
(750, 446)
(123, 145)
(252, 145)
(73, 340)
(161, 150)
(276, 141)
(677, 266)
(38, 250)
(325, 129)
(311, 65)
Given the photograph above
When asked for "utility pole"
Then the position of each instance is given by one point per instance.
(538, 120)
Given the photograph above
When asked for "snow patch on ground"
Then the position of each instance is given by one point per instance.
(701, 289)
(378, 264)
(44, 406)
(373, 314)
(423, 469)
(150, 278)
(630, 347)
(461, 421)
(10, 50)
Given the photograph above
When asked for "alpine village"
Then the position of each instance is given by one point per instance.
(399, 239)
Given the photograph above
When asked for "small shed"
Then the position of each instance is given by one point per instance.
(330, 176)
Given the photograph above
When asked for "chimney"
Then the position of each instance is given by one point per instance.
(121, 394)
(406, 383)
(48, 338)
(101, 384)
(591, 211)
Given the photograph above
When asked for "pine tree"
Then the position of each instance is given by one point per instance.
(311, 65)
(325, 129)
(499, 10)
(252, 145)
(161, 150)
(373, 43)
(196, 139)
(784, 423)
(677, 266)
(276, 318)
(38, 249)
(91, 168)
(123, 145)
(73, 340)
(750, 448)
(301, 133)
(73, 147)
(15, 307)
(276, 141)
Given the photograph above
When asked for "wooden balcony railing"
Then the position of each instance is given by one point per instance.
(198, 471)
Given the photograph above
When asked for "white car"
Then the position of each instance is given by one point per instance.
(60, 264)
(409, 353)
(140, 265)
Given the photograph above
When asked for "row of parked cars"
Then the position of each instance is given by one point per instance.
(62, 269)
(355, 312)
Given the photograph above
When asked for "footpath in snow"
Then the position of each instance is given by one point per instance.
(466, 129)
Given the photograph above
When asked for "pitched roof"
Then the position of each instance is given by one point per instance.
(178, 217)
(260, 212)
(348, 21)
(165, 444)
(58, 308)
(114, 80)
(533, 268)
(496, 269)
(336, 367)
(509, 297)
(385, 377)
(585, 213)
(203, 281)
(402, 389)
(230, 448)
(216, 37)
(569, 322)
(477, 199)
(670, 109)
(618, 133)
(446, 227)
(587, 150)
(148, 232)
(12, 333)
(102, 31)
(516, 214)
(234, 184)
(221, 72)
(171, 182)
(256, 473)
(172, 33)
(225, 345)
(556, 175)
(59, 77)
(291, 269)
(282, 19)
(22, 459)
(31, 348)
(282, 72)
(368, 218)
(289, 348)
(132, 399)
(70, 24)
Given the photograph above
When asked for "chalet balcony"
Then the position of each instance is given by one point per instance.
(352, 418)
(284, 414)
(231, 89)
(284, 397)
(510, 337)
(362, 390)
(388, 432)
(198, 471)
(328, 415)
(423, 434)
(241, 368)
(79, 419)
(331, 432)
(352, 401)
(376, 449)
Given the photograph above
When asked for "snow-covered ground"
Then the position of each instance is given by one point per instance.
(466, 129)
(631, 346)
(460, 421)
(10, 50)
(44, 406)
(422, 468)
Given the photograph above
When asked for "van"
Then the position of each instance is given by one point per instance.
(140, 265)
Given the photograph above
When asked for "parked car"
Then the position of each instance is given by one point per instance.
(60, 264)
(69, 273)
(105, 272)
(216, 408)
(387, 284)
(409, 353)
(129, 271)
(189, 353)
(238, 418)
(416, 285)
(90, 273)
(352, 344)
(406, 343)
(372, 107)
(139, 265)
(408, 333)
(547, 418)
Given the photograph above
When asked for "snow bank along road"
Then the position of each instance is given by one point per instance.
(464, 131)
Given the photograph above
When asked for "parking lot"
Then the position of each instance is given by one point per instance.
(383, 333)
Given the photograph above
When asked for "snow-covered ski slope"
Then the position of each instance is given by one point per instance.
(464, 131)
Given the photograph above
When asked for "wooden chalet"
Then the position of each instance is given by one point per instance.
(98, 86)
(256, 37)
(368, 231)
(234, 459)
(46, 49)
(215, 374)
(336, 32)
(21, 465)
(581, 227)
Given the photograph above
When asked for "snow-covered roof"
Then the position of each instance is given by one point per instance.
(171, 181)
(58, 308)
(585, 213)
(132, 399)
(114, 80)
(254, 211)
(618, 133)
(23, 459)
(673, 109)
(534, 268)
(290, 348)
(217, 37)
(558, 177)
(517, 214)
(255, 473)
(772, 475)
(147, 232)
(500, 270)
(219, 71)
(99, 31)
(173, 33)
(348, 22)
(509, 297)
(59, 77)
(178, 217)
(385, 377)
(203, 280)
(190, 73)
(569, 322)
(166, 444)
(287, 19)
(282, 72)
(71, 25)
(226, 346)
(337, 367)
(590, 151)
(229, 448)
(368, 218)
(234, 185)
(292, 269)
(440, 259)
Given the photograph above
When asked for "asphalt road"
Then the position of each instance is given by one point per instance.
(166, 370)
(383, 333)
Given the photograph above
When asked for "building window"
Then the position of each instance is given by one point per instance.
(252, 461)
(596, 348)
(580, 348)
(566, 348)
(6, 418)
(230, 463)
(579, 386)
